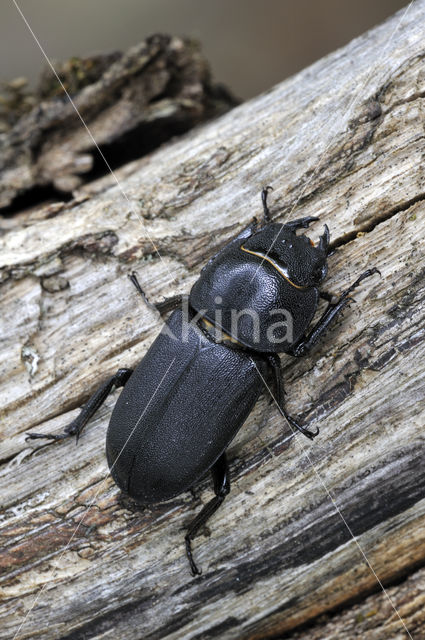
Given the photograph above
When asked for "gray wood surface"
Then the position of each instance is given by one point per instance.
(344, 140)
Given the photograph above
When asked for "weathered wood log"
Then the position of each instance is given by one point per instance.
(132, 102)
(375, 617)
(342, 140)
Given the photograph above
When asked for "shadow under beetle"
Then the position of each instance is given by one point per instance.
(167, 431)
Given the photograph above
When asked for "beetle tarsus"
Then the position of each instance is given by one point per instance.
(194, 569)
(220, 474)
(69, 430)
(365, 274)
(306, 432)
(47, 436)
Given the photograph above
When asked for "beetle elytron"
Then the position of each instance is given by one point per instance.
(184, 403)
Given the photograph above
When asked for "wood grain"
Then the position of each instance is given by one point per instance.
(344, 139)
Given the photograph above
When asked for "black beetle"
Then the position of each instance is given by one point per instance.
(200, 379)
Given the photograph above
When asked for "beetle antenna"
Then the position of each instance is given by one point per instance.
(266, 210)
(133, 279)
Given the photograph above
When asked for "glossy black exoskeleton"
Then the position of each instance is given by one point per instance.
(183, 404)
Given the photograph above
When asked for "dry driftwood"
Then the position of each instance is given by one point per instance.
(343, 140)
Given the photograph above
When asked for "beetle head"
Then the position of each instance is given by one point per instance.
(300, 261)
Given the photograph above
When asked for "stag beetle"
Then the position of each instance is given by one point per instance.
(186, 400)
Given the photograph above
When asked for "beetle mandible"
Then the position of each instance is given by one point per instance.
(189, 396)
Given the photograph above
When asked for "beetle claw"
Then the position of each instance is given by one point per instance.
(310, 434)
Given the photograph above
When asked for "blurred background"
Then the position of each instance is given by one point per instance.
(251, 45)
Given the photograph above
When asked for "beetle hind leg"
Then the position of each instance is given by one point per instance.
(220, 474)
(75, 427)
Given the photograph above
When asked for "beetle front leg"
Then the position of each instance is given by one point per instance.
(75, 427)
(220, 474)
(274, 362)
(305, 345)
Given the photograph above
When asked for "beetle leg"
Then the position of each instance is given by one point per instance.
(220, 474)
(331, 312)
(75, 427)
(169, 304)
(274, 362)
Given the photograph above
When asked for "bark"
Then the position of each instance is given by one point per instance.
(131, 102)
(343, 140)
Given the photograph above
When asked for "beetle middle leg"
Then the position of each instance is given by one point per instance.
(75, 427)
(274, 362)
(220, 474)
